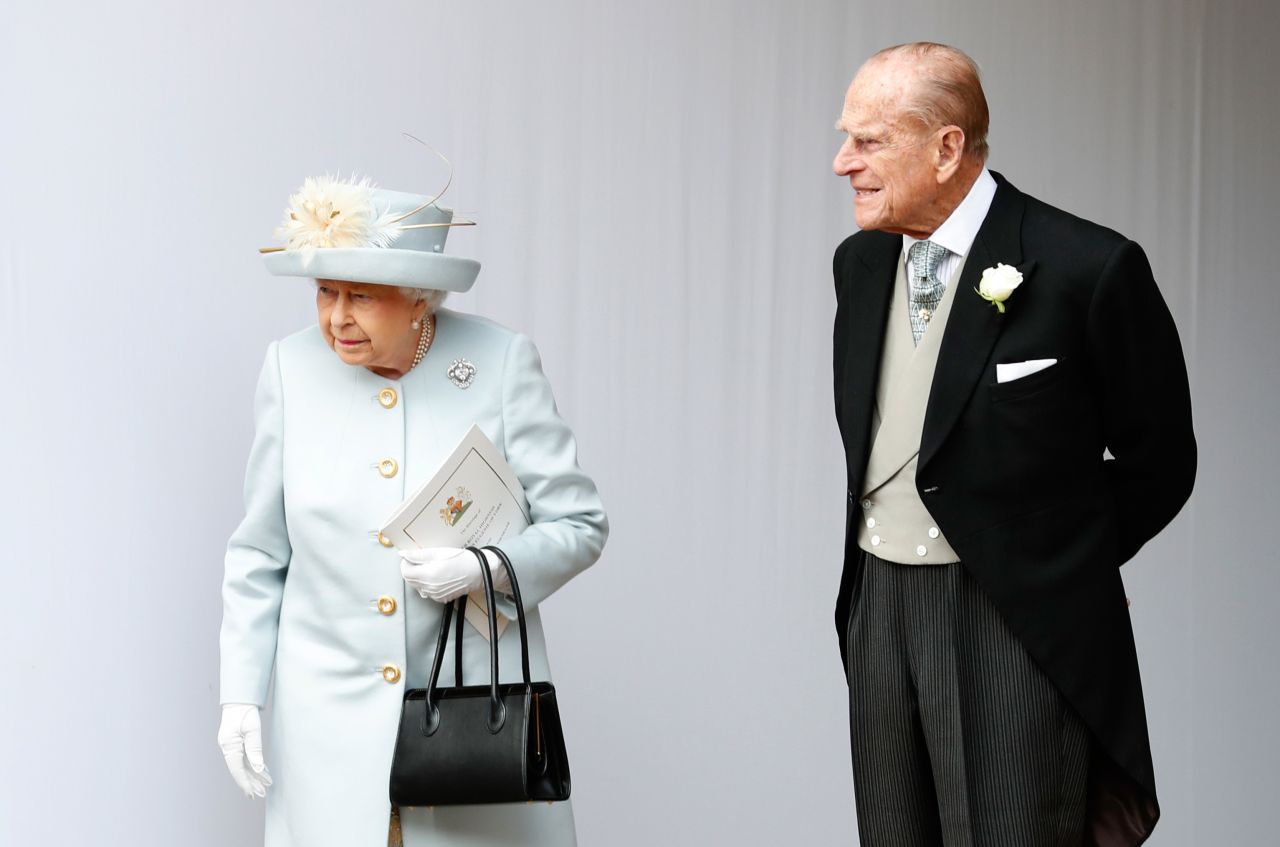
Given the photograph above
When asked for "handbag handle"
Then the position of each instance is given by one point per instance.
(461, 604)
(515, 595)
(524, 634)
(497, 710)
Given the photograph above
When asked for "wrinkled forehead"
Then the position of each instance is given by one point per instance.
(876, 97)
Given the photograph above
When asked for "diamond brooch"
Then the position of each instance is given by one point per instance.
(461, 373)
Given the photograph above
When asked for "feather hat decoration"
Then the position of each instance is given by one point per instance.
(330, 212)
(349, 229)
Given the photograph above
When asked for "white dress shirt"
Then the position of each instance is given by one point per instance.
(960, 229)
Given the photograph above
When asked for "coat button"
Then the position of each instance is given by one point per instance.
(871, 523)
(866, 504)
(921, 550)
(933, 532)
(875, 541)
(391, 673)
(384, 541)
(387, 604)
(388, 468)
(388, 397)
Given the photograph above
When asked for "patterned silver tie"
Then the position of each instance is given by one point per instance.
(926, 288)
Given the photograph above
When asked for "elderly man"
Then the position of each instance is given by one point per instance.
(989, 351)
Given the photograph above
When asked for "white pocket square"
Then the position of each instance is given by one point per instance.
(1017, 370)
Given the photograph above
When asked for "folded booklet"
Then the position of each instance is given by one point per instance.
(472, 500)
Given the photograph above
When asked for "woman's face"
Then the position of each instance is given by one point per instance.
(369, 325)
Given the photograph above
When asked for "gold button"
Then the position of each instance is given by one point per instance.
(387, 604)
(388, 468)
(384, 541)
(388, 397)
(391, 673)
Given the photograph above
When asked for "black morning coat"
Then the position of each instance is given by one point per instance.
(1014, 474)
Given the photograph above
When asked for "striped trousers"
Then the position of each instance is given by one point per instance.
(958, 737)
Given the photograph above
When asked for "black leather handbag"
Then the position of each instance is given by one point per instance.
(495, 743)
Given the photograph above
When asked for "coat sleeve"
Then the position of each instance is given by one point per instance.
(568, 524)
(1146, 400)
(258, 554)
(839, 350)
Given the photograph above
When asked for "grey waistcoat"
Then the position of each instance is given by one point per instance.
(896, 526)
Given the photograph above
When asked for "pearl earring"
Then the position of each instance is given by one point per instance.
(416, 324)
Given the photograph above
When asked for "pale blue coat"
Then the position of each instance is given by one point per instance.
(305, 569)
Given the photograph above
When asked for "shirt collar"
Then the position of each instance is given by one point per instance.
(958, 231)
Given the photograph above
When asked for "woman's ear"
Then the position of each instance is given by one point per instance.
(420, 311)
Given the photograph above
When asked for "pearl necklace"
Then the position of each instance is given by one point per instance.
(424, 340)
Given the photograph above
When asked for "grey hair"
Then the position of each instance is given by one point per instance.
(949, 94)
(434, 297)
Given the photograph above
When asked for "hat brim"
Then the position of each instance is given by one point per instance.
(378, 266)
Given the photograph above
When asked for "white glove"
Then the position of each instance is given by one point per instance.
(240, 737)
(446, 573)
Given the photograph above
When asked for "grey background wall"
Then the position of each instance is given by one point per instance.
(657, 211)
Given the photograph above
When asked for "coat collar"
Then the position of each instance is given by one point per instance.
(974, 324)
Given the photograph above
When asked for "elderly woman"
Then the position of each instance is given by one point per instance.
(351, 416)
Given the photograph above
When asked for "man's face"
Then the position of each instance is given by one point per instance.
(888, 159)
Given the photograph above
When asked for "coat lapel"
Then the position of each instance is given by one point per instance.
(974, 324)
(902, 417)
(869, 311)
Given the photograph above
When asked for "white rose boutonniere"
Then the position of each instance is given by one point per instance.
(998, 283)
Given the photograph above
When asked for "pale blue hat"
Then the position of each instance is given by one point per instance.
(353, 231)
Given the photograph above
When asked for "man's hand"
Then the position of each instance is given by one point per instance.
(446, 573)
(240, 737)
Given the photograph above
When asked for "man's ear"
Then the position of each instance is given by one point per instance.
(950, 152)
